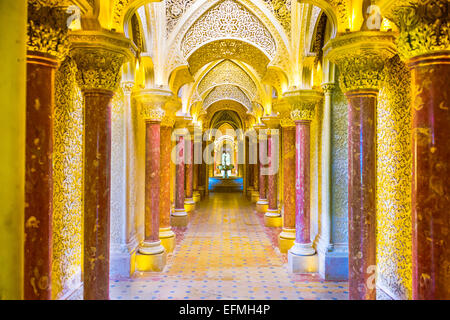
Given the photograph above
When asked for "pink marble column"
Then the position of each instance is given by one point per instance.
(189, 167)
(152, 244)
(361, 191)
(262, 176)
(179, 179)
(303, 245)
(272, 188)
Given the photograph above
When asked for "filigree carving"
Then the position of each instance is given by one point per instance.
(228, 19)
(148, 113)
(229, 49)
(227, 92)
(228, 72)
(361, 56)
(67, 182)
(303, 103)
(174, 11)
(167, 121)
(47, 29)
(394, 164)
(281, 9)
(98, 68)
(424, 27)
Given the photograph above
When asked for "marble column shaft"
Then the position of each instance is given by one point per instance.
(97, 181)
(361, 191)
(39, 176)
(164, 200)
(180, 167)
(289, 194)
(272, 190)
(262, 169)
(189, 168)
(430, 176)
(302, 184)
(152, 180)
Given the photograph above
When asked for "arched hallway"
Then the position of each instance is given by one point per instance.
(226, 253)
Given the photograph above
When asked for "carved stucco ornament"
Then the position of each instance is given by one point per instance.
(303, 103)
(47, 28)
(424, 26)
(360, 57)
(151, 103)
(99, 56)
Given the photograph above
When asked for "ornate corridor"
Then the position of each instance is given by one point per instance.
(226, 253)
(224, 149)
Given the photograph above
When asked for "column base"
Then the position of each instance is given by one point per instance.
(255, 196)
(333, 262)
(122, 264)
(262, 205)
(167, 238)
(286, 240)
(302, 264)
(179, 218)
(189, 205)
(196, 196)
(151, 257)
(272, 219)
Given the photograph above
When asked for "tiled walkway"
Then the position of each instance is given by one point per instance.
(226, 254)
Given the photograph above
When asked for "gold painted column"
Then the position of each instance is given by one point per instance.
(360, 57)
(99, 56)
(425, 46)
(13, 45)
(47, 47)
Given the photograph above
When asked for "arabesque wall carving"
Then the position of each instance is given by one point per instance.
(67, 182)
(227, 92)
(394, 181)
(228, 19)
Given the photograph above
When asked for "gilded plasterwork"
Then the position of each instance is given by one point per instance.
(228, 19)
(394, 181)
(281, 9)
(228, 72)
(229, 49)
(174, 11)
(67, 182)
(227, 92)
(339, 165)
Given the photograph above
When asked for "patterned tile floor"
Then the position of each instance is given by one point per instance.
(226, 253)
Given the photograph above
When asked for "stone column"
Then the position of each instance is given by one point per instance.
(207, 165)
(429, 62)
(360, 57)
(47, 46)
(151, 254)
(99, 57)
(301, 257)
(179, 216)
(255, 176)
(287, 235)
(189, 203)
(13, 20)
(166, 235)
(262, 203)
(272, 216)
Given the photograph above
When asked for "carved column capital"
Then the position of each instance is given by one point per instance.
(151, 103)
(328, 88)
(99, 56)
(424, 26)
(47, 28)
(271, 122)
(303, 103)
(360, 57)
(127, 87)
